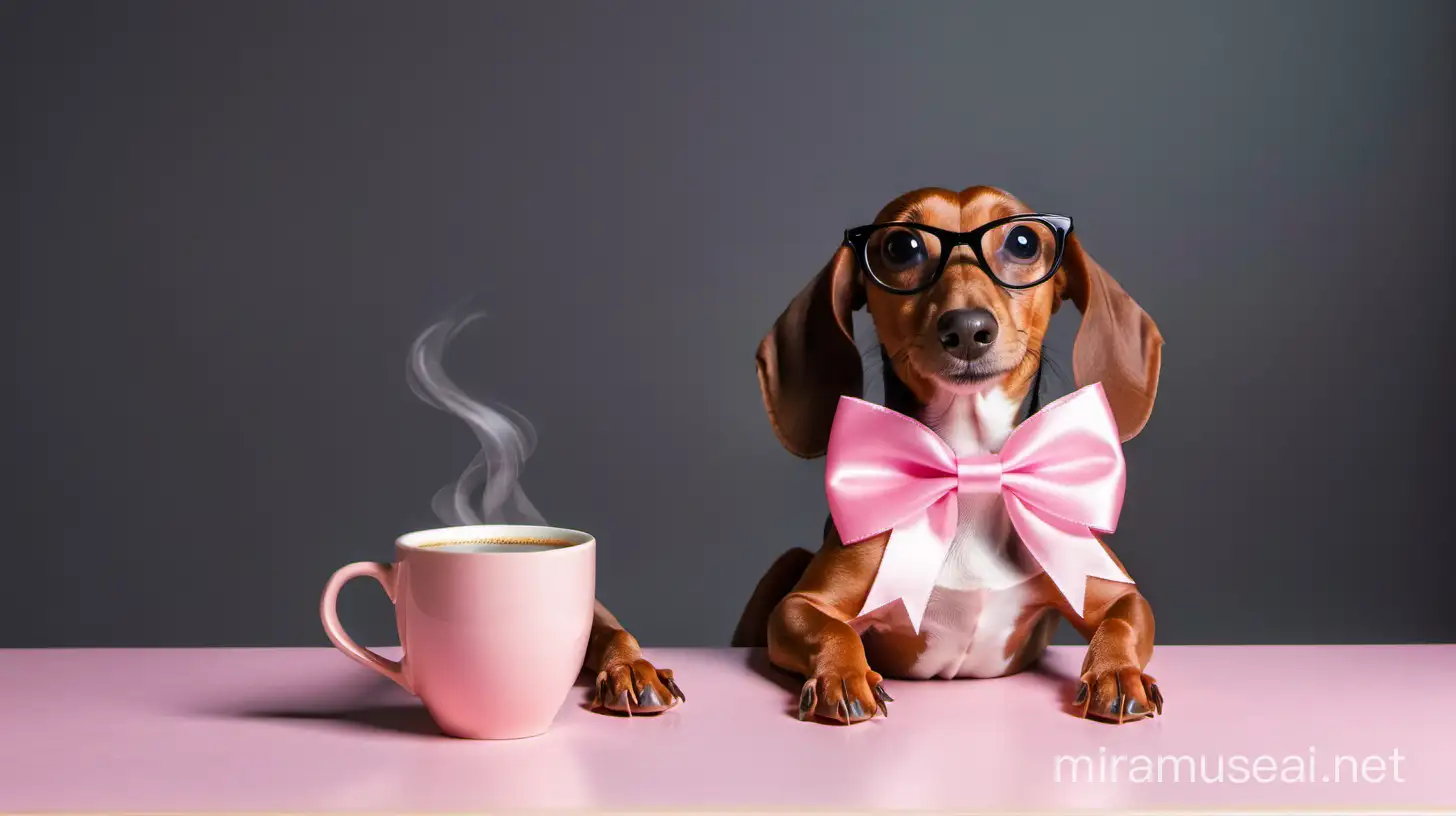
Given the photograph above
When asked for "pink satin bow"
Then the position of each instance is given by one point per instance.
(1061, 475)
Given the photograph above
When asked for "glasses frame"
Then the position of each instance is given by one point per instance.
(858, 239)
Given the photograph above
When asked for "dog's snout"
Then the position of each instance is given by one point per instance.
(967, 333)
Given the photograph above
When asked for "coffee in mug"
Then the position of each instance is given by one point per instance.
(502, 545)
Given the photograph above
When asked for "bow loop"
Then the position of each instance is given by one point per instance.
(1061, 475)
(1067, 461)
(881, 468)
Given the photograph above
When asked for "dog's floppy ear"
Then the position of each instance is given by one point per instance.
(809, 359)
(1118, 345)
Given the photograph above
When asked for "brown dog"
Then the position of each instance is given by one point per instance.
(961, 355)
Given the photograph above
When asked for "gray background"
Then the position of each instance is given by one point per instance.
(221, 225)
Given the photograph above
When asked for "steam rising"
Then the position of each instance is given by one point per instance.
(506, 439)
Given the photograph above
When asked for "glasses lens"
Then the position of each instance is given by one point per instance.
(1020, 252)
(902, 257)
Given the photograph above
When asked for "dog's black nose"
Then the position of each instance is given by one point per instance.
(967, 333)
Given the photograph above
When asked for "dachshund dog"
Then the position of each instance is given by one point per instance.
(962, 354)
(625, 682)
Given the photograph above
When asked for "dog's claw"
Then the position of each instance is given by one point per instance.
(1085, 700)
(1116, 707)
(806, 701)
(881, 699)
(1157, 697)
(1133, 708)
(649, 698)
(673, 687)
(624, 702)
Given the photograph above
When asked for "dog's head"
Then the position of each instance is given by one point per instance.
(961, 292)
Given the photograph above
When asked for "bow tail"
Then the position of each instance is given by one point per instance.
(913, 555)
(1068, 551)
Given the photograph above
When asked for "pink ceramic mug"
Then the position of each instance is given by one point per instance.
(494, 633)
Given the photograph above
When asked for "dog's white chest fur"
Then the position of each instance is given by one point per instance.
(980, 592)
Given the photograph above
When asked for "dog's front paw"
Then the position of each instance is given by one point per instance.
(848, 695)
(1118, 694)
(636, 687)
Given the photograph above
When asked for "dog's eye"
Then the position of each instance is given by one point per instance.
(902, 248)
(1022, 244)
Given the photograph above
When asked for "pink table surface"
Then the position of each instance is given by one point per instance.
(307, 730)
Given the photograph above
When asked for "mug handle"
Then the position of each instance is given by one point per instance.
(329, 612)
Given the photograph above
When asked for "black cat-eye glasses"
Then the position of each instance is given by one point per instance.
(1018, 252)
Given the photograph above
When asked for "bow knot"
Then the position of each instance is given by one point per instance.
(1060, 475)
(979, 474)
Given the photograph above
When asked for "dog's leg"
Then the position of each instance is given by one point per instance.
(625, 682)
(809, 633)
(1119, 629)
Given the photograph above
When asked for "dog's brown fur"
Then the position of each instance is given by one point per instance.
(802, 608)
